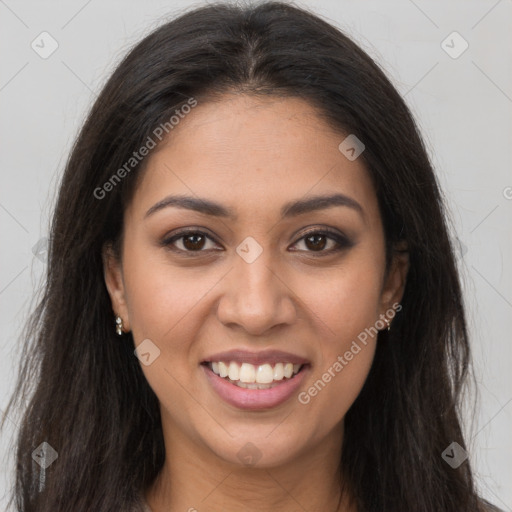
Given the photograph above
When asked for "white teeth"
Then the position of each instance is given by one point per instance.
(223, 369)
(234, 371)
(250, 376)
(278, 371)
(247, 373)
(288, 370)
(265, 374)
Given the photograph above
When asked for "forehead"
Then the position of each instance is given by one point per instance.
(251, 152)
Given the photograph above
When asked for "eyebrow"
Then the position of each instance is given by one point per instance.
(290, 209)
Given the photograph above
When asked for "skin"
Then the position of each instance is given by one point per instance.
(252, 155)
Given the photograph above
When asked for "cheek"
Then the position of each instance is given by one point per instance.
(164, 306)
(168, 305)
(344, 358)
(348, 306)
(334, 387)
(162, 298)
(348, 299)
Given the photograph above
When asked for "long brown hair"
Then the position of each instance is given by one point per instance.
(88, 398)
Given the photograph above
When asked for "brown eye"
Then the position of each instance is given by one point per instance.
(194, 242)
(316, 242)
(324, 242)
(189, 242)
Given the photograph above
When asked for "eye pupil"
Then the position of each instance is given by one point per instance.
(315, 239)
(197, 239)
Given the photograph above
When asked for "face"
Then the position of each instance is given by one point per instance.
(272, 272)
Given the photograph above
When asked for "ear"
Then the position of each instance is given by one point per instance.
(396, 277)
(113, 275)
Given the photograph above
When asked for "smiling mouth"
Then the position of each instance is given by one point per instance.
(249, 376)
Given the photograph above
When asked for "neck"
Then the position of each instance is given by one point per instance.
(194, 478)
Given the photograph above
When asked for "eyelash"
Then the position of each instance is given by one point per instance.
(342, 241)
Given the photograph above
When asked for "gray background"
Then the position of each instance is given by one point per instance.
(463, 106)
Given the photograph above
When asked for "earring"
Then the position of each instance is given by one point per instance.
(119, 326)
(387, 323)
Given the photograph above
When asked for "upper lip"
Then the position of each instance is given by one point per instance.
(256, 358)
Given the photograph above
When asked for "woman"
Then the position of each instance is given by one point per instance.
(252, 300)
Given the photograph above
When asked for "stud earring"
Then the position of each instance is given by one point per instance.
(119, 326)
(387, 323)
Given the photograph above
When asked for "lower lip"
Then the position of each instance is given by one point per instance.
(255, 399)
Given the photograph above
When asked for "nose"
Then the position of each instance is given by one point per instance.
(256, 297)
